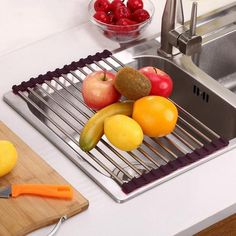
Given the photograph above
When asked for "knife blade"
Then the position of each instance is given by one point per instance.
(43, 190)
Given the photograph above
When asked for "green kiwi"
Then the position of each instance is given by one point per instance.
(132, 84)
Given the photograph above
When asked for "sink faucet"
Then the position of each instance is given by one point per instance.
(182, 38)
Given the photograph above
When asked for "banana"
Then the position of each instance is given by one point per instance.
(94, 128)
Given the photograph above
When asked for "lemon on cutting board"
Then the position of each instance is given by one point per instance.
(8, 157)
(123, 132)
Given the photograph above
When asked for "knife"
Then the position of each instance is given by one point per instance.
(44, 190)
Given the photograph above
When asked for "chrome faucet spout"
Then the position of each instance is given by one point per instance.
(180, 37)
(169, 20)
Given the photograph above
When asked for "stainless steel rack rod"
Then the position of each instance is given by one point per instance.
(67, 100)
(166, 148)
(156, 152)
(78, 131)
(175, 145)
(197, 121)
(82, 123)
(189, 135)
(118, 180)
(183, 140)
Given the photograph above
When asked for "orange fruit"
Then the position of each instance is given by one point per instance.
(156, 115)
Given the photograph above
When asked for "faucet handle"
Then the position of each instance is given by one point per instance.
(188, 42)
(193, 20)
(182, 38)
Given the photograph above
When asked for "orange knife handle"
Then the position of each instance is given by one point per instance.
(44, 190)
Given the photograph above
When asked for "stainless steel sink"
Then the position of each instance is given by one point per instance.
(218, 57)
(53, 104)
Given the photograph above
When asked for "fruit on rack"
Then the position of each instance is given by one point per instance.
(162, 84)
(98, 90)
(8, 157)
(156, 115)
(132, 84)
(94, 128)
(123, 132)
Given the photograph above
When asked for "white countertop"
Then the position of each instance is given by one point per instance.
(37, 37)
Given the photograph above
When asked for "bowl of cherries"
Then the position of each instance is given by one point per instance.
(121, 21)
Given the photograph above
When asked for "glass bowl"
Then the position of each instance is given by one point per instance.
(118, 33)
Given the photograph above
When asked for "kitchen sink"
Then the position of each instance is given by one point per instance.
(204, 92)
(218, 59)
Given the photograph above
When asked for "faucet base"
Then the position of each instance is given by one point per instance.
(163, 53)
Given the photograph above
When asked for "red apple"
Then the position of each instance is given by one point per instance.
(162, 84)
(98, 90)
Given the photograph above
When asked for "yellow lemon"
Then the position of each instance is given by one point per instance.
(123, 132)
(8, 157)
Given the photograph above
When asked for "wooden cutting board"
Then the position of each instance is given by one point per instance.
(19, 216)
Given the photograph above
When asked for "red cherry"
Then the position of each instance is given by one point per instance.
(140, 15)
(102, 5)
(122, 12)
(111, 17)
(134, 5)
(115, 4)
(127, 23)
(101, 16)
(124, 28)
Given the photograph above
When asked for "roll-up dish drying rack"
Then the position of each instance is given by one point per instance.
(54, 105)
